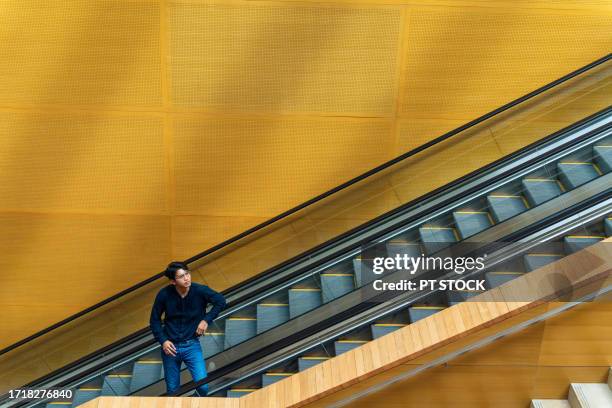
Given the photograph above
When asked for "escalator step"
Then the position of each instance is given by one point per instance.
(212, 343)
(146, 372)
(495, 279)
(117, 384)
(535, 261)
(363, 272)
(575, 174)
(412, 249)
(334, 285)
(82, 395)
(271, 378)
(302, 300)
(342, 346)
(603, 157)
(458, 296)
(540, 190)
(472, 222)
(437, 238)
(506, 206)
(420, 312)
(574, 243)
(239, 392)
(380, 329)
(271, 315)
(305, 363)
(239, 329)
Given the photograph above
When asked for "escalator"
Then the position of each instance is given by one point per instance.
(291, 304)
(364, 329)
(340, 294)
(268, 345)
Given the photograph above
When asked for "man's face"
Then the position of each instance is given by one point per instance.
(182, 278)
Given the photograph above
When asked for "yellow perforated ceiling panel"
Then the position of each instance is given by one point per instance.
(461, 63)
(194, 233)
(80, 52)
(240, 167)
(283, 59)
(64, 262)
(82, 162)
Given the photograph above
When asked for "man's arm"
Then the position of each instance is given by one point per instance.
(218, 302)
(155, 320)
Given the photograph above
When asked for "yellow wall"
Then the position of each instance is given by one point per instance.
(135, 132)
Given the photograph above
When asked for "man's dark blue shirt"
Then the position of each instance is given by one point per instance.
(183, 315)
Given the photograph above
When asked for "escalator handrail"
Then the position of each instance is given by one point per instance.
(318, 198)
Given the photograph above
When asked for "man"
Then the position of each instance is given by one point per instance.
(184, 305)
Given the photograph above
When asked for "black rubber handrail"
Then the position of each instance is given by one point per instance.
(318, 198)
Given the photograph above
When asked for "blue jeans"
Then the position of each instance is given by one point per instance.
(189, 352)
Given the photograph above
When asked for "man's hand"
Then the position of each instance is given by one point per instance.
(169, 348)
(202, 328)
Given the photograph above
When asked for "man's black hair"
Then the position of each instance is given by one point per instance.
(170, 271)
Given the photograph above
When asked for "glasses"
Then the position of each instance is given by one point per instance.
(182, 275)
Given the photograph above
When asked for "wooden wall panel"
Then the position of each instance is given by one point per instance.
(578, 338)
(553, 382)
(460, 387)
